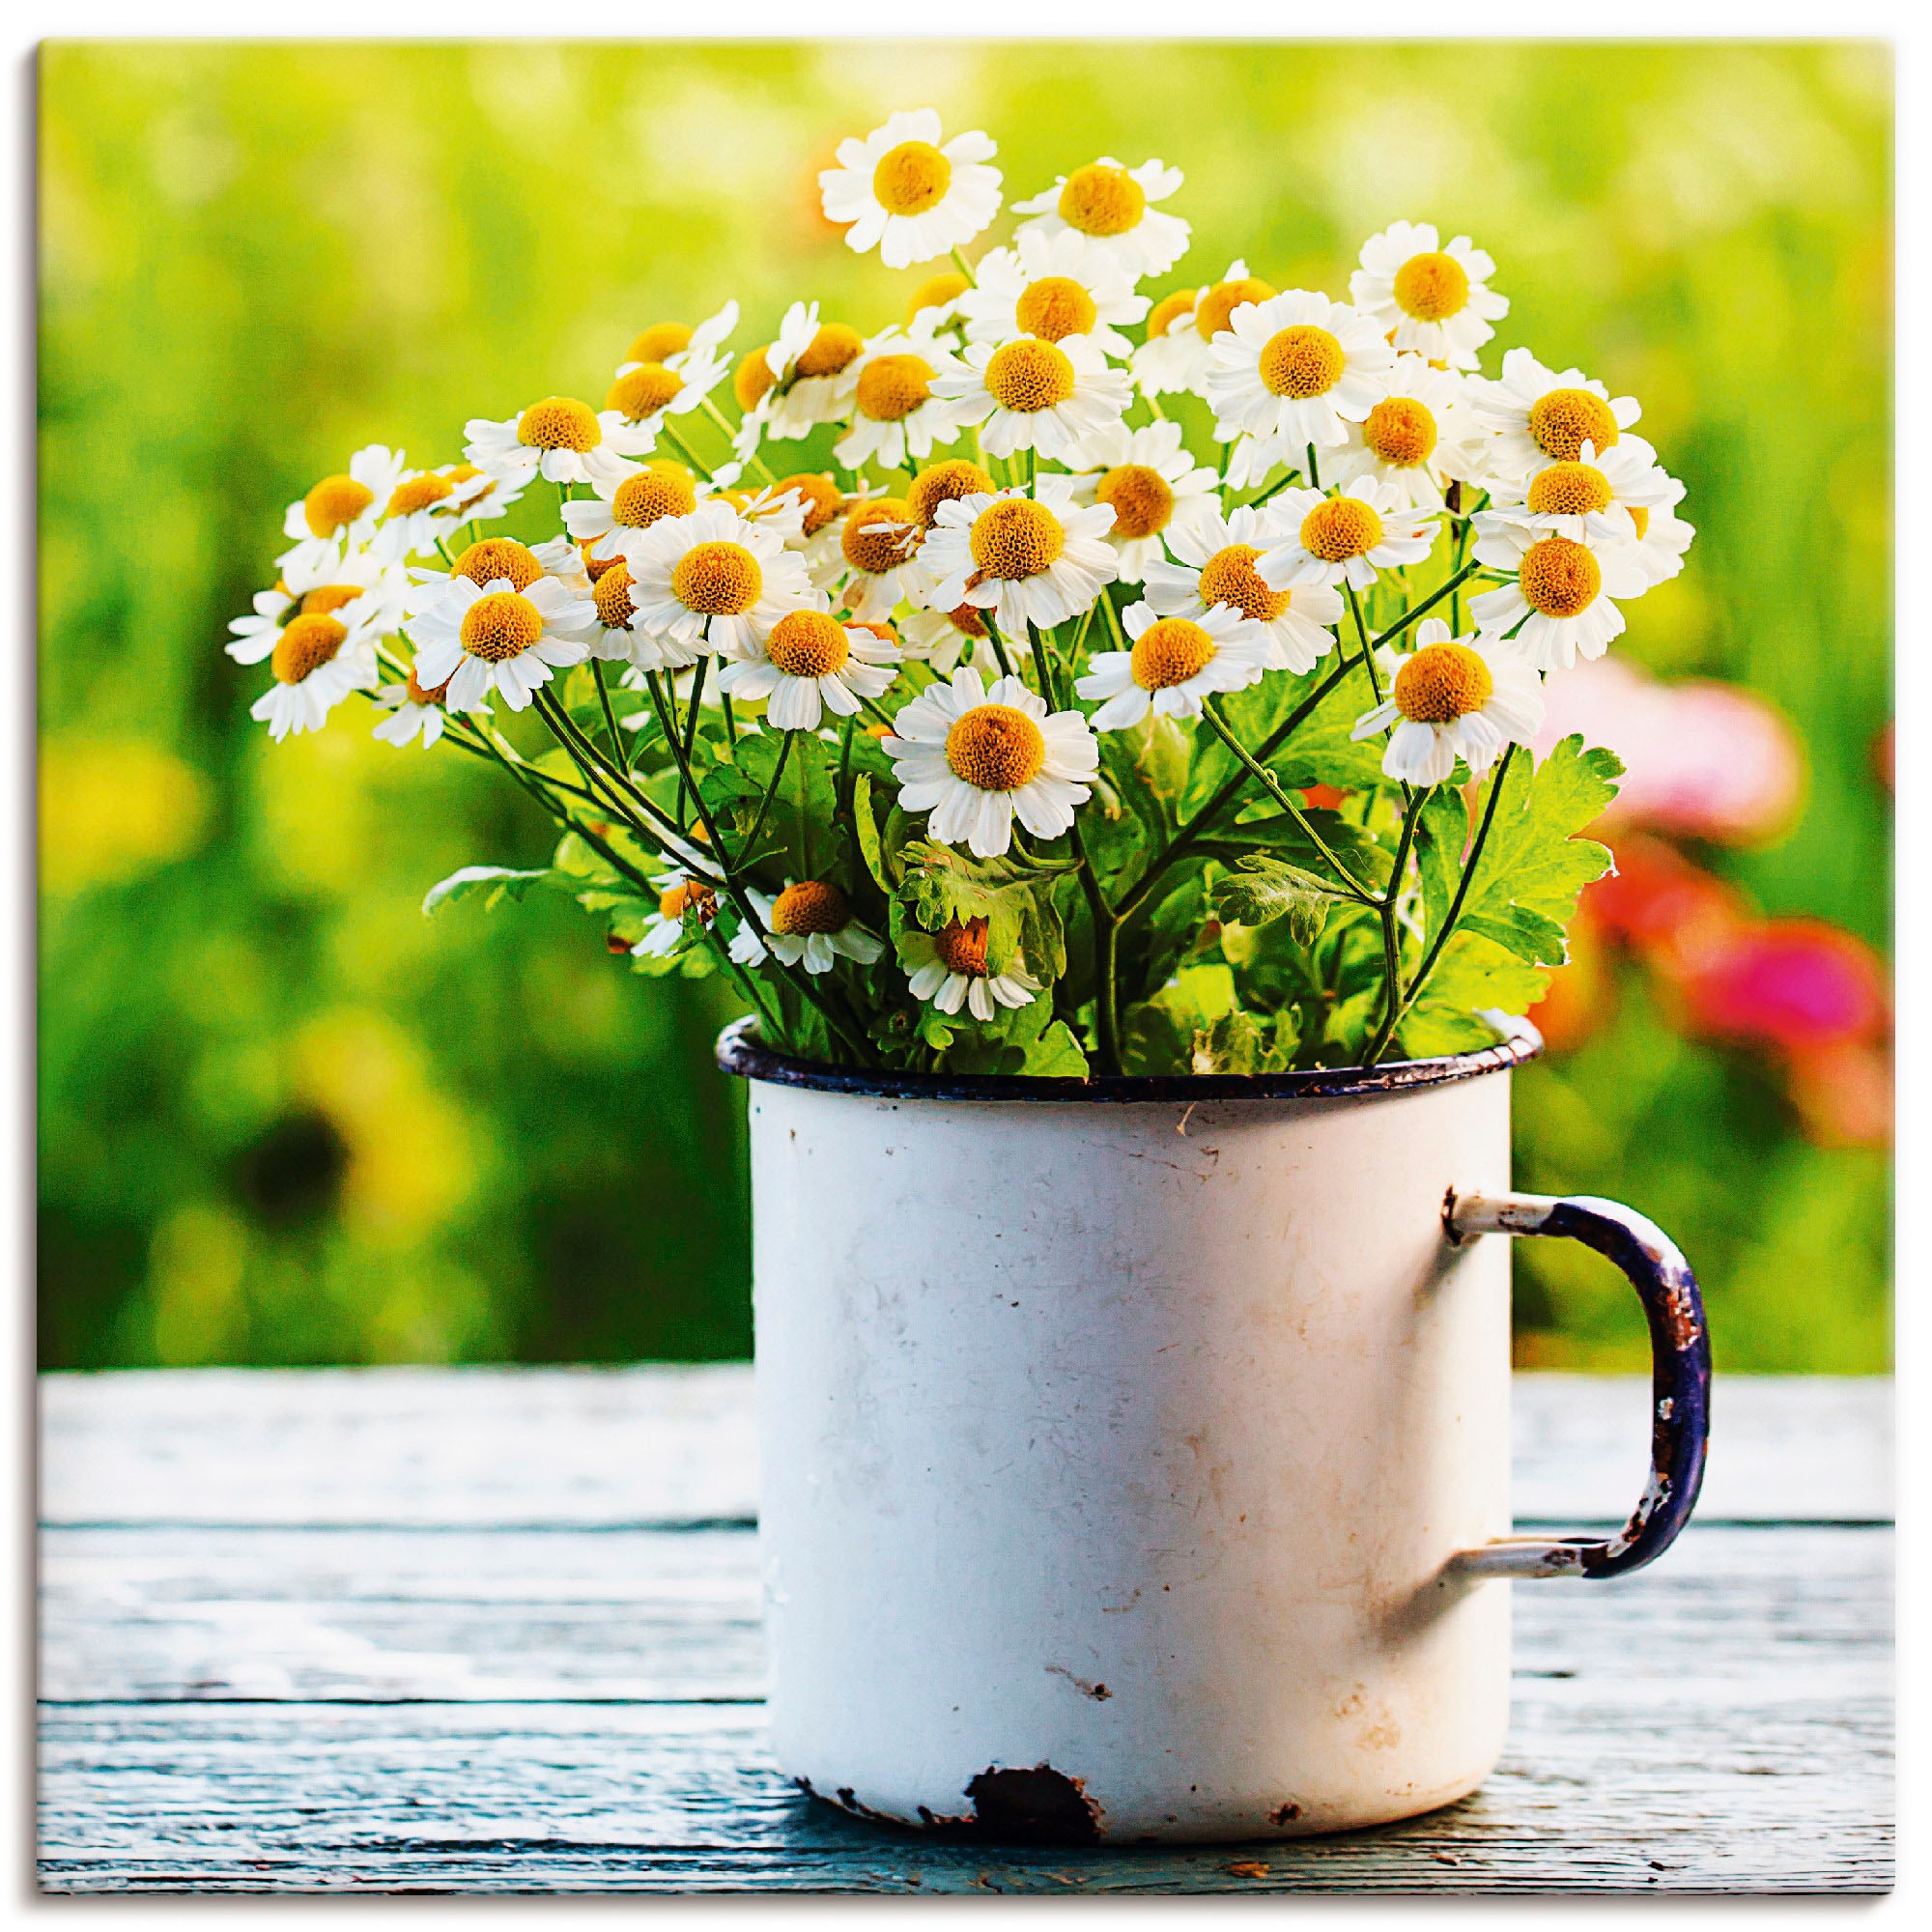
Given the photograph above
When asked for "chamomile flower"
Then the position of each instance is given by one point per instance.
(1417, 439)
(1026, 559)
(414, 711)
(804, 378)
(1432, 299)
(808, 924)
(680, 894)
(821, 507)
(479, 638)
(713, 580)
(617, 636)
(485, 494)
(360, 584)
(1369, 526)
(559, 439)
(1594, 500)
(896, 411)
(1031, 394)
(909, 194)
(875, 564)
(1662, 536)
(934, 304)
(643, 393)
(1175, 356)
(482, 562)
(634, 501)
(1450, 698)
(1295, 369)
(1150, 483)
(426, 505)
(949, 969)
(343, 508)
(319, 658)
(1213, 569)
(1110, 209)
(1539, 416)
(945, 639)
(1046, 286)
(1174, 662)
(812, 663)
(1560, 607)
(977, 759)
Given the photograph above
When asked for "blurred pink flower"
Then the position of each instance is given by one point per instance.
(1794, 984)
(1702, 760)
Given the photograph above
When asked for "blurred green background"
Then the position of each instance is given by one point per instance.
(284, 1119)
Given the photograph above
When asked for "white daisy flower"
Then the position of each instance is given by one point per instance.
(810, 924)
(344, 508)
(1662, 538)
(1448, 698)
(632, 501)
(896, 411)
(909, 194)
(1031, 394)
(804, 378)
(1026, 559)
(1174, 662)
(945, 639)
(319, 658)
(364, 586)
(1150, 483)
(618, 638)
(812, 663)
(877, 560)
(678, 893)
(1295, 369)
(1214, 570)
(1108, 207)
(559, 439)
(488, 558)
(977, 759)
(1047, 286)
(949, 969)
(643, 393)
(1175, 356)
(935, 303)
(1418, 438)
(1432, 299)
(712, 579)
(1559, 608)
(1538, 416)
(427, 505)
(414, 711)
(1594, 500)
(483, 494)
(1369, 526)
(479, 638)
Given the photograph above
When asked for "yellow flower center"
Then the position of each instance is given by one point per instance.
(334, 503)
(559, 422)
(1559, 578)
(879, 535)
(812, 905)
(1441, 683)
(612, 595)
(326, 599)
(1568, 490)
(1168, 652)
(660, 341)
(1028, 376)
(911, 178)
(1564, 420)
(1432, 287)
(418, 493)
(643, 391)
(1142, 499)
(831, 350)
(1169, 310)
(1016, 537)
(1222, 301)
(1302, 362)
(642, 499)
(962, 948)
(1641, 517)
(936, 291)
(821, 496)
(1400, 430)
(687, 896)
(483, 563)
(594, 567)
(1099, 200)
(1228, 577)
(468, 473)
(893, 386)
(995, 748)
(420, 693)
(967, 621)
(500, 626)
(307, 644)
(718, 580)
(809, 643)
(945, 483)
(1054, 307)
(1339, 528)
(752, 382)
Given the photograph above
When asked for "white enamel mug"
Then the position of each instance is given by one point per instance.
(1136, 1452)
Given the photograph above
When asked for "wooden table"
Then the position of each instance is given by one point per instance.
(498, 1631)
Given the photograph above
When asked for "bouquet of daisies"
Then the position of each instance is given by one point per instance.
(1071, 676)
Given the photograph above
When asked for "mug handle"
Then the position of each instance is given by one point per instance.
(1680, 1355)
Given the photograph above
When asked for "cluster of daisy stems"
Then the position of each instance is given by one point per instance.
(1071, 678)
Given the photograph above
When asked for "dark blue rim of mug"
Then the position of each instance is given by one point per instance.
(740, 1051)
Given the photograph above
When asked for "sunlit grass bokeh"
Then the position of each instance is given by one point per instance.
(286, 1118)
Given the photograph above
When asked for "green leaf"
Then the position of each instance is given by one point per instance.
(494, 883)
(943, 885)
(1442, 835)
(1056, 1053)
(1474, 976)
(1266, 889)
(869, 848)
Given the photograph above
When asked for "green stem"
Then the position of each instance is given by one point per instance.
(1391, 938)
(1362, 634)
(998, 643)
(1314, 470)
(965, 269)
(750, 844)
(1429, 603)
(617, 746)
(1106, 959)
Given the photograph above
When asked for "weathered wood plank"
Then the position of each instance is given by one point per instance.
(473, 1615)
(588, 1446)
